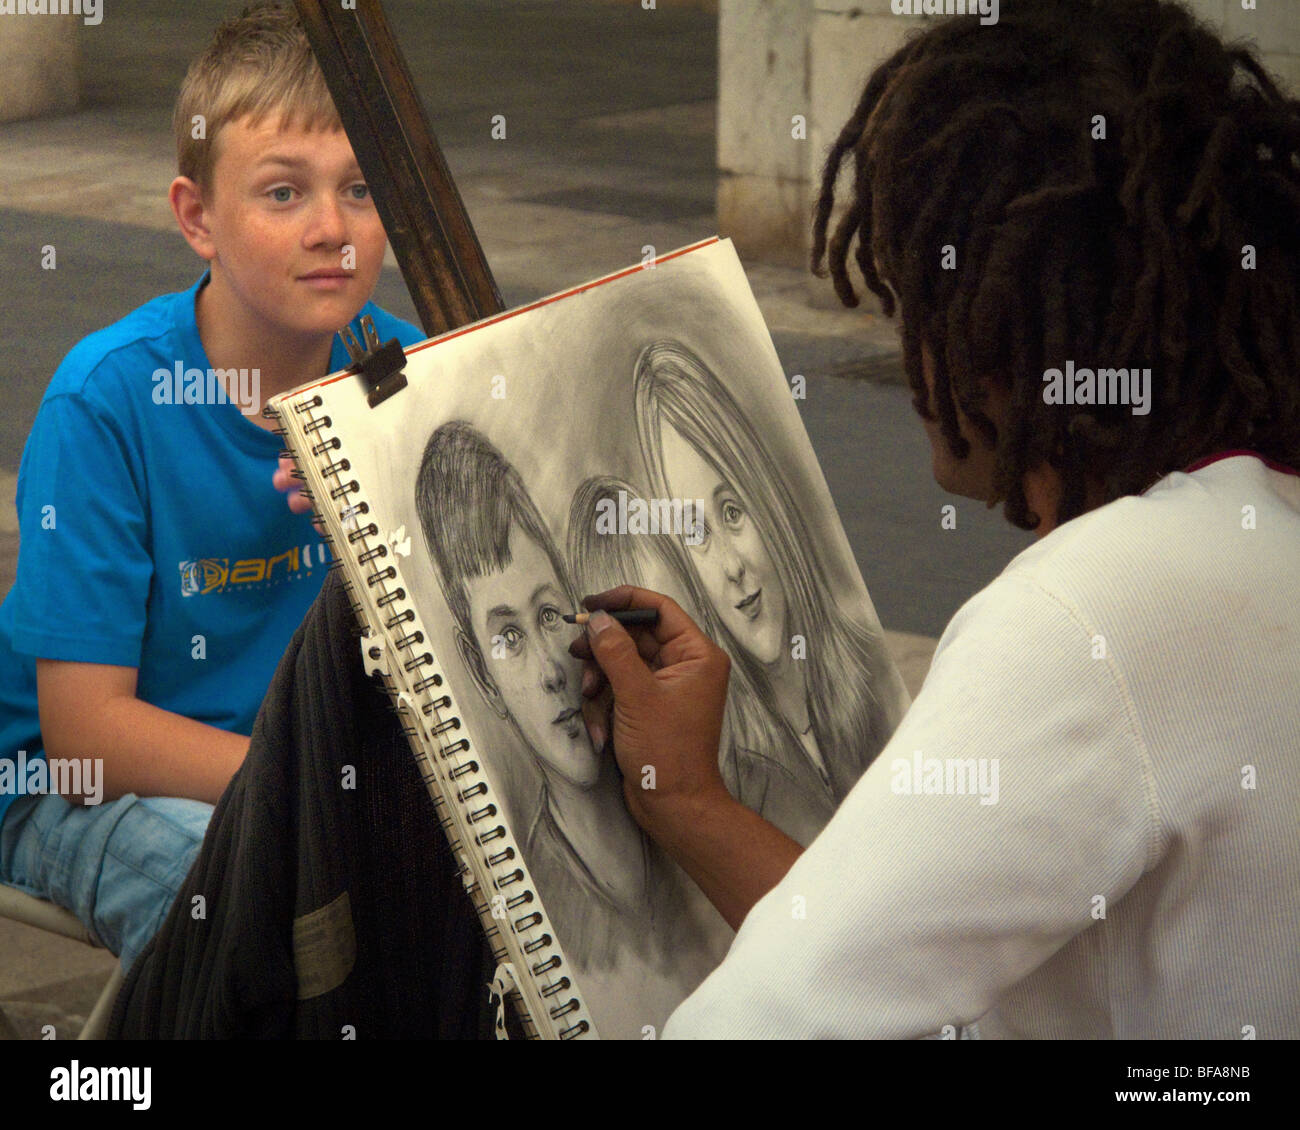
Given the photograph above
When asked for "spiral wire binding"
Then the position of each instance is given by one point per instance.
(568, 1017)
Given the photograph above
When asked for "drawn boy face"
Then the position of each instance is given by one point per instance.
(735, 568)
(516, 615)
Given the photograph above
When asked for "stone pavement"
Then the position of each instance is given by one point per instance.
(610, 147)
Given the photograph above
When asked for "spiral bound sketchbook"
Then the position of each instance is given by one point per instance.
(637, 429)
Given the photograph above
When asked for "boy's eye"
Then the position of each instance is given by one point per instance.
(359, 191)
(281, 195)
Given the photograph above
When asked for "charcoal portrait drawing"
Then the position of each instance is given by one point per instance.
(811, 715)
(606, 886)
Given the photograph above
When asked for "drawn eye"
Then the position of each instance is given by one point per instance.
(512, 636)
(732, 513)
(549, 616)
(697, 535)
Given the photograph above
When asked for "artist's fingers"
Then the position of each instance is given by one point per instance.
(673, 621)
(668, 721)
(675, 639)
(593, 679)
(671, 617)
(617, 653)
(598, 713)
(647, 646)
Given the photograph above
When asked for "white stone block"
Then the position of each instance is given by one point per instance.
(762, 86)
(845, 50)
(38, 65)
(766, 217)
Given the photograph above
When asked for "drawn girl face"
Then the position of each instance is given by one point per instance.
(518, 627)
(737, 573)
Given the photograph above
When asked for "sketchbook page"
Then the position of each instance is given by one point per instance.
(640, 430)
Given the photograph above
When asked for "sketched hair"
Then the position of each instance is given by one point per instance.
(469, 498)
(675, 389)
(600, 561)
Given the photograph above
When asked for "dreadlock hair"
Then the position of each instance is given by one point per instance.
(1127, 250)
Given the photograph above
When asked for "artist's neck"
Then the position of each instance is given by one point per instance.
(1043, 493)
(598, 828)
(233, 338)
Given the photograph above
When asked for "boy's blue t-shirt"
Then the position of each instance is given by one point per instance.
(151, 536)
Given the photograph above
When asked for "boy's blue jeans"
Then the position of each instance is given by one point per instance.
(116, 866)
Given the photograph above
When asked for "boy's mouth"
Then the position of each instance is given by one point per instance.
(327, 279)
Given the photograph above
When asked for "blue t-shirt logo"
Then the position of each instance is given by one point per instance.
(173, 554)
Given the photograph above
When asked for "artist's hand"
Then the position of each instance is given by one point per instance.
(669, 689)
(283, 480)
(659, 694)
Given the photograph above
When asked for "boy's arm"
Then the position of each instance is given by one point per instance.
(90, 710)
(81, 602)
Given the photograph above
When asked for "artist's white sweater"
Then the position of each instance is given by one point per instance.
(1136, 676)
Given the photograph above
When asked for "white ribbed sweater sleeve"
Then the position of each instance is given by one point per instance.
(911, 912)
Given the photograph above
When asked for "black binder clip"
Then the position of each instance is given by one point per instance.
(379, 366)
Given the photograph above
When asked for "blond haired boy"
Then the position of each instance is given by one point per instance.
(160, 576)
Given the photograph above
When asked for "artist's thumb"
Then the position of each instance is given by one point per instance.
(616, 652)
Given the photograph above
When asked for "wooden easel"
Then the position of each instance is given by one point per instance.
(421, 209)
(418, 202)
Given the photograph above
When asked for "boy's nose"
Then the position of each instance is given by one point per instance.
(328, 224)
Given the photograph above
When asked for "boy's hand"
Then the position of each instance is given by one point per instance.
(669, 691)
(283, 480)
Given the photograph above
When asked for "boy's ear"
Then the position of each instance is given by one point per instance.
(186, 199)
(472, 656)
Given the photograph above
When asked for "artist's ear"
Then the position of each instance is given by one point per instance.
(186, 199)
(472, 656)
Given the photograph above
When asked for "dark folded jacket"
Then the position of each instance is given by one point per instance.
(317, 910)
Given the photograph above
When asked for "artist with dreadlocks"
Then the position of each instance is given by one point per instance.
(1121, 192)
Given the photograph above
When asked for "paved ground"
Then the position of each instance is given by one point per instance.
(610, 146)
